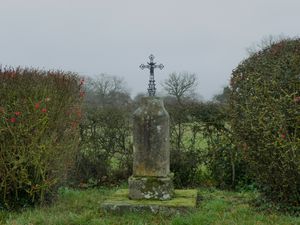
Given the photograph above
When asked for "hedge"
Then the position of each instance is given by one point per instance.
(39, 117)
(265, 113)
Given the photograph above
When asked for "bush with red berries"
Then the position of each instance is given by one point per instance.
(39, 117)
(265, 114)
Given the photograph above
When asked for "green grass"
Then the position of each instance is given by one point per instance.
(83, 207)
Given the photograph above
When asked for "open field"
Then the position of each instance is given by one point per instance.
(83, 207)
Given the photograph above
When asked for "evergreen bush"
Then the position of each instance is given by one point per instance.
(265, 113)
(39, 117)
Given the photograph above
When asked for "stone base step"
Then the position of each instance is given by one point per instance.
(184, 201)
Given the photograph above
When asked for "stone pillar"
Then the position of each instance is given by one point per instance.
(151, 152)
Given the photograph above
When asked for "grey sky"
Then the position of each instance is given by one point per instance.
(90, 37)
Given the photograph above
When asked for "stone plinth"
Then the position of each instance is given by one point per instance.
(151, 152)
(184, 201)
(151, 188)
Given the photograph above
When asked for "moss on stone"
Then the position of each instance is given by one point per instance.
(151, 188)
(182, 199)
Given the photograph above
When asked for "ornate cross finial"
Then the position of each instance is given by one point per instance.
(151, 66)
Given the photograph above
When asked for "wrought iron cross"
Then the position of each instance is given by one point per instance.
(151, 66)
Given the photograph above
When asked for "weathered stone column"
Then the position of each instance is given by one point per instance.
(151, 152)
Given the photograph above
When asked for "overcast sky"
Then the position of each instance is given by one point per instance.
(90, 37)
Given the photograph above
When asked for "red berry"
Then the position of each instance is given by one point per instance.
(37, 105)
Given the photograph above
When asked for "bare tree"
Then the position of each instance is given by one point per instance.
(106, 89)
(180, 85)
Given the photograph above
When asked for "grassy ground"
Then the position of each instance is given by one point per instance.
(83, 207)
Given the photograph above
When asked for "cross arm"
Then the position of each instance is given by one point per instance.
(160, 66)
(143, 66)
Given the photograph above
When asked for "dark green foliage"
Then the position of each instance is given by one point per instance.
(39, 116)
(223, 159)
(105, 149)
(265, 114)
(202, 148)
(185, 166)
(224, 162)
(186, 153)
(105, 155)
(223, 97)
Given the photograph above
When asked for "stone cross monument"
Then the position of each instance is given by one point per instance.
(151, 184)
(151, 177)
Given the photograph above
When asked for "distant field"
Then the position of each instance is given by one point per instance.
(83, 207)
